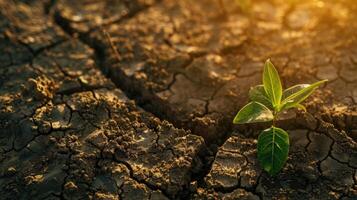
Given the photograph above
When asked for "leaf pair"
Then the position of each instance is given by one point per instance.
(270, 98)
(264, 97)
(267, 101)
(279, 99)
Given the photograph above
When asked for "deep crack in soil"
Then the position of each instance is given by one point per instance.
(93, 92)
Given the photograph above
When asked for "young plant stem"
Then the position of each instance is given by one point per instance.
(274, 118)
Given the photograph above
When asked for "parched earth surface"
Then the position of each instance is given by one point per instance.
(133, 99)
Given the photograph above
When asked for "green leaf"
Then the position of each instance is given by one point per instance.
(272, 84)
(258, 94)
(294, 89)
(253, 112)
(273, 149)
(296, 98)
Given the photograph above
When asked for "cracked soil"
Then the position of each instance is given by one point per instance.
(133, 99)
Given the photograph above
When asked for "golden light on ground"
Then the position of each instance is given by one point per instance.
(135, 99)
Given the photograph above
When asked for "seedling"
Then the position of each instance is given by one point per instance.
(267, 101)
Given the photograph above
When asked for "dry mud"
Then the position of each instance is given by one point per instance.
(146, 113)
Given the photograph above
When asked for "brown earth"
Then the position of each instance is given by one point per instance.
(153, 121)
